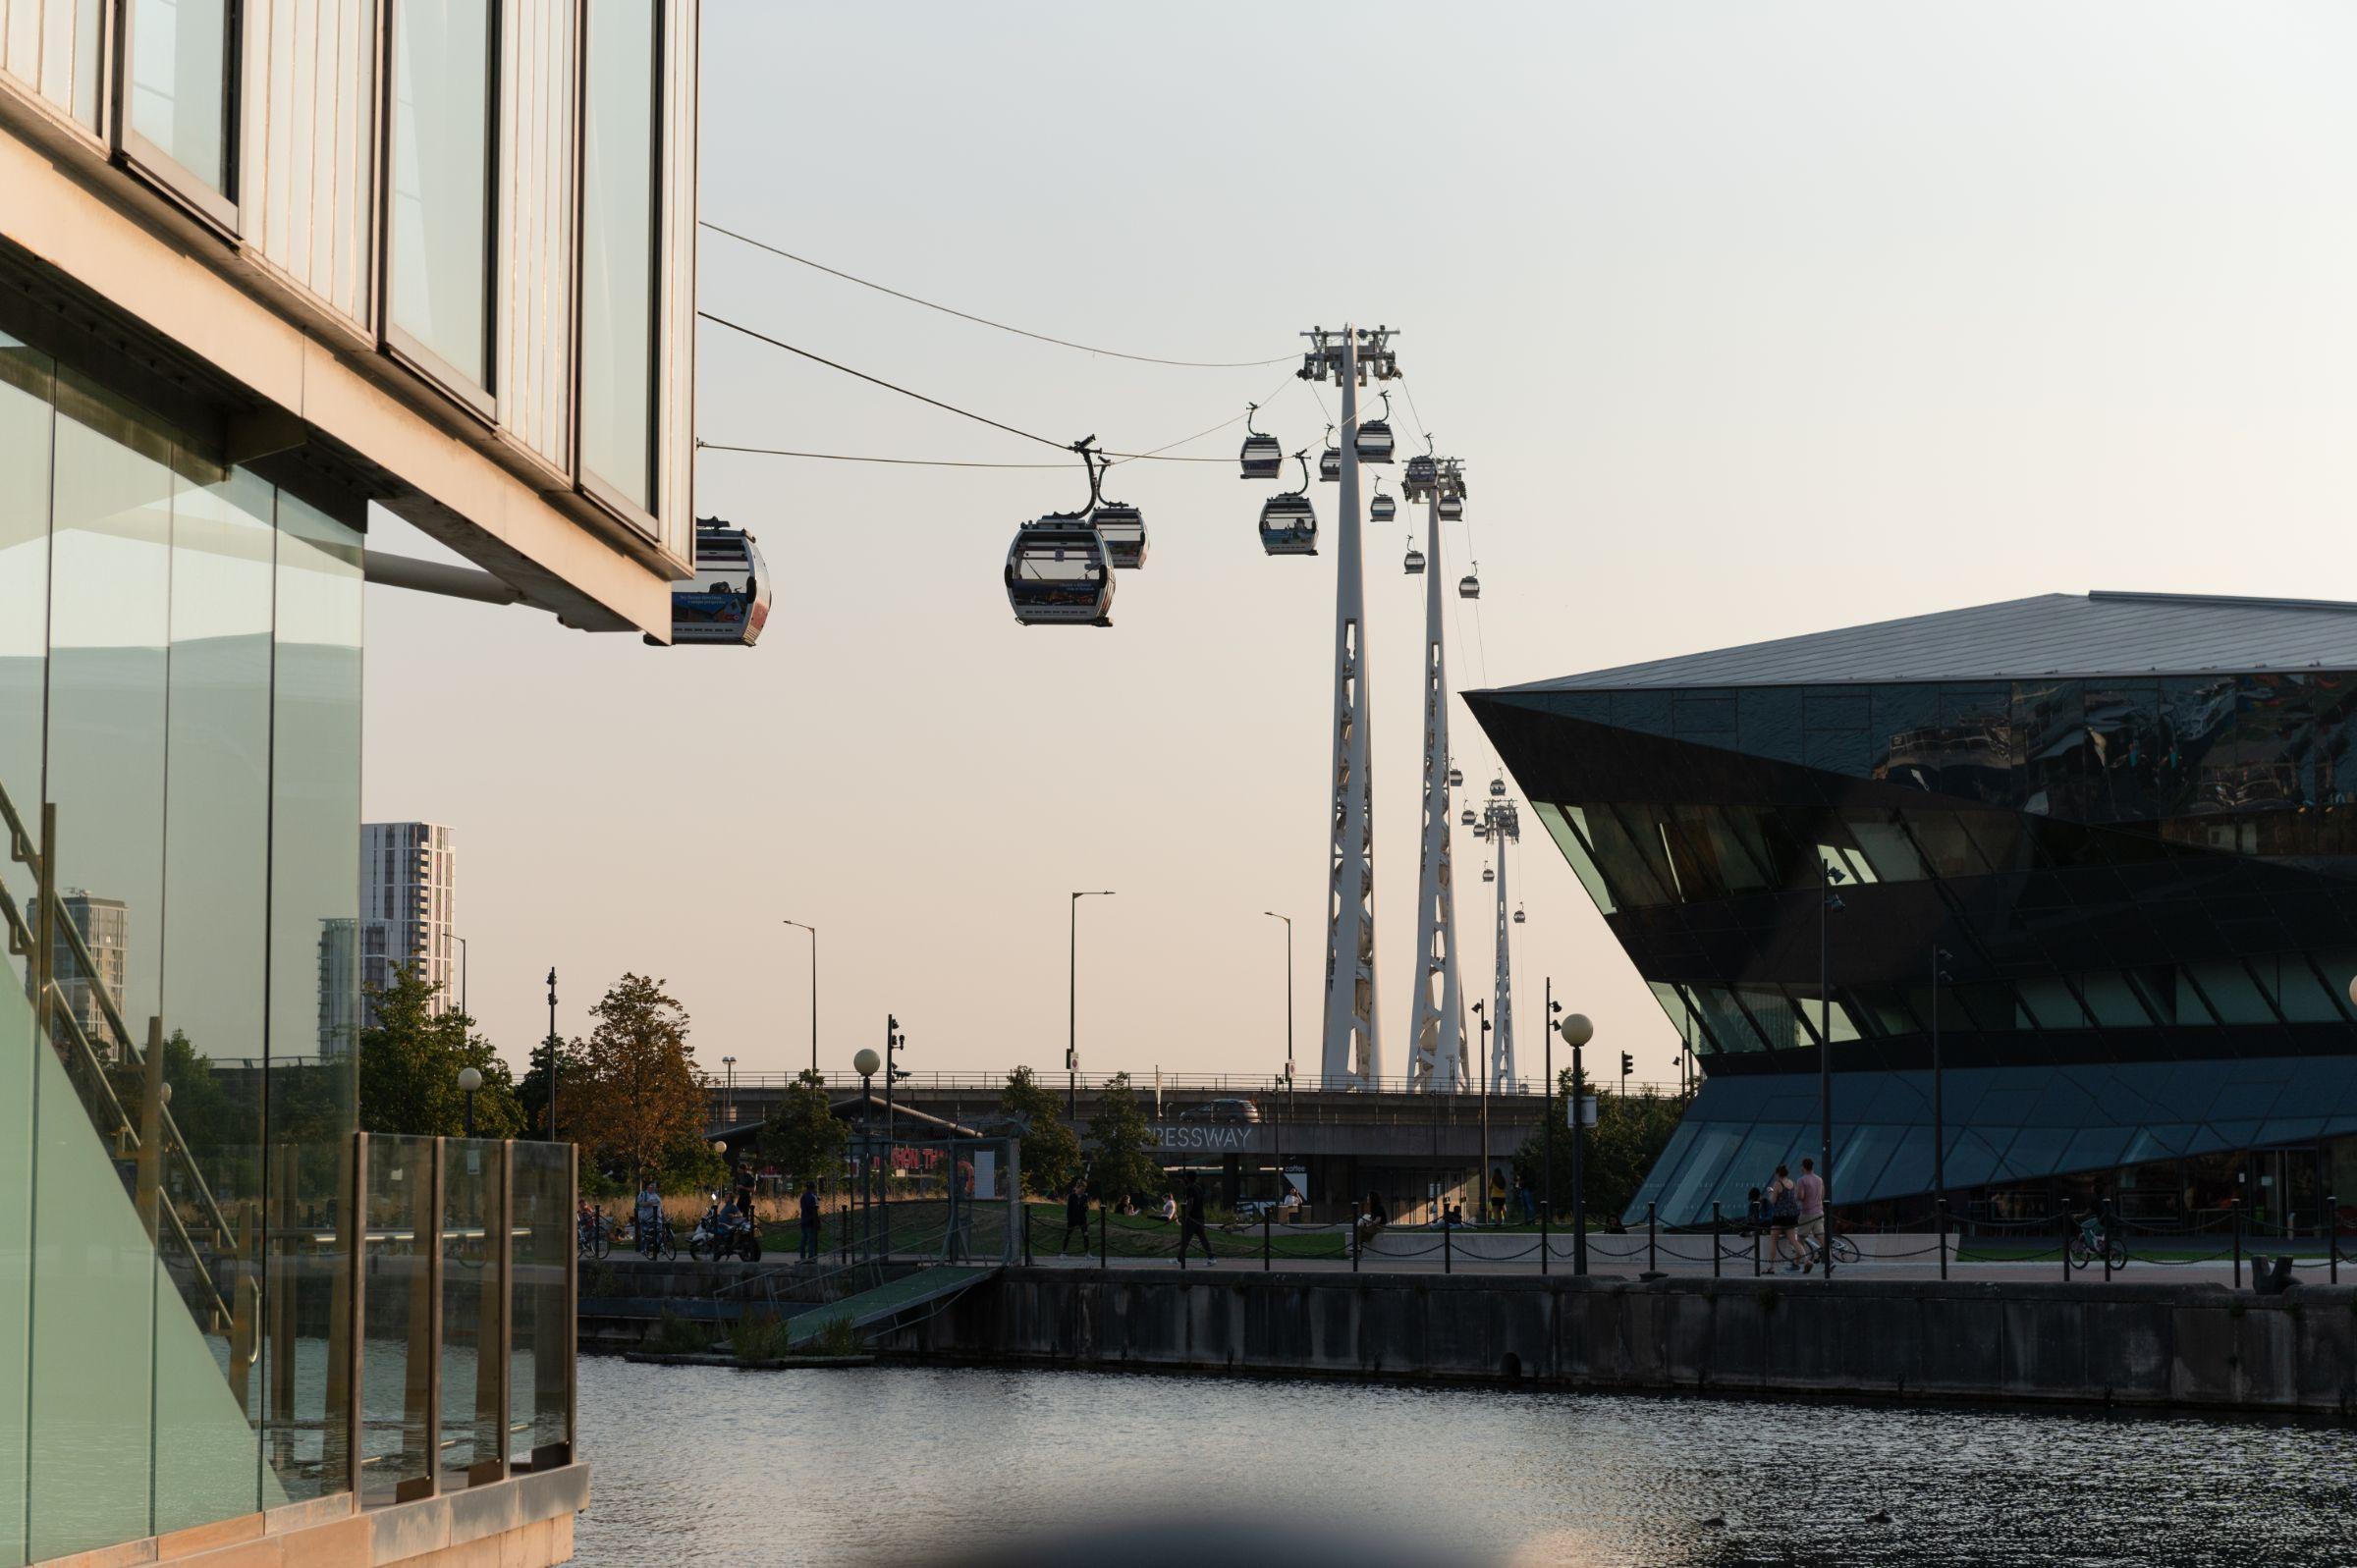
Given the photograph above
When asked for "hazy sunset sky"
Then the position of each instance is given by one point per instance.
(1749, 319)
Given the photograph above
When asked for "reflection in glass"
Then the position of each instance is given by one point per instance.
(398, 1349)
(618, 254)
(441, 258)
(217, 849)
(179, 72)
(470, 1284)
(540, 1400)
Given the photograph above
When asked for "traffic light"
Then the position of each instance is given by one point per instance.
(1629, 1065)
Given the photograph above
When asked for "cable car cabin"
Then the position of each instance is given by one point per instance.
(1415, 558)
(1467, 816)
(1122, 528)
(1261, 458)
(1330, 466)
(1422, 475)
(1382, 508)
(1374, 442)
(1468, 586)
(1056, 574)
(1457, 780)
(727, 599)
(1289, 525)
(1487, 875)
(1452, 507)
(1518, 914)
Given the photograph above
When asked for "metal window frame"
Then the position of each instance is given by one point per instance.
(217, 210)
(480, 400)
(645, 519)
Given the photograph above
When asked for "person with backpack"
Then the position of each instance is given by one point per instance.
(1783, 1219)
(1075, 1217)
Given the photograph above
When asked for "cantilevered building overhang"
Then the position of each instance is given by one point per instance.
(2129, 821)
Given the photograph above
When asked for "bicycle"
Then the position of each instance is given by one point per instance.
(1845, 1252)
(2091, 1244)
(658, 1241)
(593, 1234)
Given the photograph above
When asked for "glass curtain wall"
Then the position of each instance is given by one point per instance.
(618, 250)
(179, 680)
(180, 66)
(441, 218)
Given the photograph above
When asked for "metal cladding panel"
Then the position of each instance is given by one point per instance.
(308, 151)
(1999, 1127)
(52, 50)
(674, 392)
(539, 76)
(2053, 635)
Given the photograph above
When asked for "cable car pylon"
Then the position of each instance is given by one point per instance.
(1501, 825)
(1351, 1053)
(1436, 1062)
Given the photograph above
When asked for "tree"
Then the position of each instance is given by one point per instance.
(411, 1058)
(1051, 1153)
(1123, 1160)
(1629, 1135)
(533, 1091)
(632, 1095)
(805, 1138)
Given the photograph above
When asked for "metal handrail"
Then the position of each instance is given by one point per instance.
(51, 1005)
(1235, 1084)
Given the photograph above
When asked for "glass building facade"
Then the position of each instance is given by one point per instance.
(2141, 886)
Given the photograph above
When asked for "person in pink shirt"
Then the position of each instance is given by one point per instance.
(1810, 1191)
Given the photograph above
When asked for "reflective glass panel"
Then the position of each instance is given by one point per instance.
(540, 1400)
(398, 1352)
(618, 256)
(470, 1294)
(441, 263)
(180, 70)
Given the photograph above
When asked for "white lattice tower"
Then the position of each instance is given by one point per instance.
(1437, 1038)
(1351, 1056)
(1501, 825)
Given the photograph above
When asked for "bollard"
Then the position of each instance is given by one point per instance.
(1026, 1234)
(1653, 1243)
(1755, 1252)
(2332, 1234)
(2106, 1257)
(1717, 1245)
(1264, 1241)
(2238, 1246)
(1448, 1248)
(1943, 1223)
(2065, 1249)
(1104, 1232)
(1354, 1238)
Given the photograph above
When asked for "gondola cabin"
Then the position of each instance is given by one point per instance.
(1122, 528)
(727, 600)
(1058, 575)
(1289, 525)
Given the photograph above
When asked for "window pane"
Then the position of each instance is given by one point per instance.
(180, 82)
(1567, 825)
(618, 227)
(441, 180)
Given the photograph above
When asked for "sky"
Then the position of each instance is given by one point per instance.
(1749, 319)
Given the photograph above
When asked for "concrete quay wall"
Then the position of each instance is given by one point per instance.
(2126, 1344)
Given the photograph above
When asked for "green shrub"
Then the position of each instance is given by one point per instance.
(675, 1335)
(761, 1338)
(839, 1338)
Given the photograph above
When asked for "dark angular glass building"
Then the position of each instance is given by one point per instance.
(2104, 845)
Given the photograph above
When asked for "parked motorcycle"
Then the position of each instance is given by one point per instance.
(723, 1234)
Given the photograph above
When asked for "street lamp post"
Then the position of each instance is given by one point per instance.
(1940, 958)
(1577, 1032)
(552, 1053)
(1481, 1179)
(865, 1063)
(1289, 1041)
(470, 1078)
(1547, 1129)
(1071, 1039)
(465, 968)
(729, 1097)
(813, 930)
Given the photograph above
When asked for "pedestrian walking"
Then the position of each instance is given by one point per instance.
(809, 1220)
(1497, 1197)
(1192, 1226)
(1784, 1215)
(1809, 1191)
(1075, 1217)
(1755, 1213)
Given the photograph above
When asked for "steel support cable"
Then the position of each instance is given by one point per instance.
(985, 321)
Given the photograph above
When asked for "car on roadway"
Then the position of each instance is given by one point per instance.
(1227, 1111)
